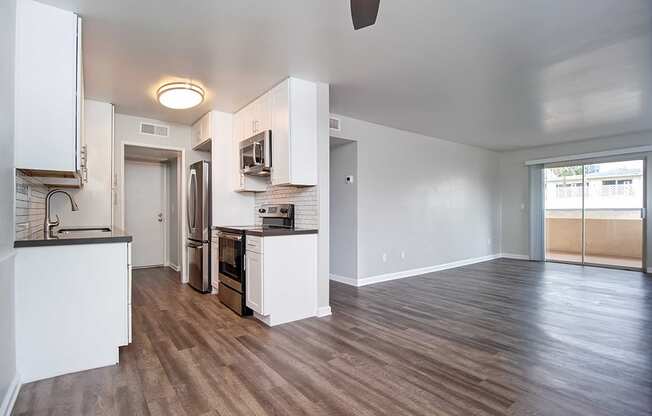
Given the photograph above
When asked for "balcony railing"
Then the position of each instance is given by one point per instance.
(611, 235)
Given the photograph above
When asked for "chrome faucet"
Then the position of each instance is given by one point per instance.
(48, 225)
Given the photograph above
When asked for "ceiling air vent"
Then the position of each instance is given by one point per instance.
(335, 124)
(154, 129)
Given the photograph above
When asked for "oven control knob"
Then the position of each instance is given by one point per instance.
(284, 210)
(262, 210)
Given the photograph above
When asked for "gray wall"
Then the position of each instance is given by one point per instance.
(7, 177)
(435, 200)
(173, 214)
(344, 209)
(514, 184)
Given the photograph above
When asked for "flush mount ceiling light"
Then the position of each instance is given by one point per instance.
(180, 95)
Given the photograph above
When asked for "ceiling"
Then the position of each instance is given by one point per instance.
(500, 74)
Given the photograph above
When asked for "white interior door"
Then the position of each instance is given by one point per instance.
(144, 202)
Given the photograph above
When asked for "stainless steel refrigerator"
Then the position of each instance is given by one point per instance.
(198, 210)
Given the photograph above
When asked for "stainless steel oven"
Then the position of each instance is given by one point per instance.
(231, 269)
(256, 154)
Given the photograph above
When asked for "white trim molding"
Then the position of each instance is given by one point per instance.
(173, 267)
(424, 270)
(346, 280)
(412, 272)
(323, 311)
(593, 155)
(514, 256)
(9, 400)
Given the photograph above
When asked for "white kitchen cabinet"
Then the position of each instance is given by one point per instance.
(48, 90)
(255, 282)
(202, 132)
(282, 277)
(242, 182)
(129, 326)
(257, 116)
(294, 133)
(74, 311)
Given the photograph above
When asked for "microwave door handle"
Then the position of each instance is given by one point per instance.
(256, 159)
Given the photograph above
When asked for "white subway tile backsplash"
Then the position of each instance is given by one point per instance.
(30, 205)
(305, 200)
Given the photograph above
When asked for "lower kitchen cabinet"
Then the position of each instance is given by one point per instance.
(73, 307)
(282, 277)
(255, 279)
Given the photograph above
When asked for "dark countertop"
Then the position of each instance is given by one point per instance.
(259, 231)
(39, 239)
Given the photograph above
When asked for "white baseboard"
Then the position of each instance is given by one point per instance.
(323, 311)
(514, 256)
(346, 280)
(10, 397)
(173, 267)
(412, 272)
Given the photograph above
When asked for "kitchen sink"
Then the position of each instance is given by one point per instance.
(84, 230)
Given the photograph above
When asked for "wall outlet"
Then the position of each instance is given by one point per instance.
(384, 257)
(402, 255)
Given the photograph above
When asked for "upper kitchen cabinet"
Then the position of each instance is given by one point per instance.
(294, 133)
(257, 116)
(48, 112)
(202, 132)
(242, 130)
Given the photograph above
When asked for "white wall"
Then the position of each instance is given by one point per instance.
(435, 200)
(514, 184)
(228, 207)
(8, 377)
(344, 210)
(94, 199)
(127, 130)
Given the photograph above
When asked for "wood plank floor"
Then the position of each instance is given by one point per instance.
(505, 337)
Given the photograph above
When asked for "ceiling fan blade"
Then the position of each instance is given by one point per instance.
(364, 12)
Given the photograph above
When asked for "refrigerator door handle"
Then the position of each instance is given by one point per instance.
(191, 200)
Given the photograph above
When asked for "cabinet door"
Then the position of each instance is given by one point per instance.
(265, 112)
(255, 278)
(235, 154)
(247, 121)
(206, 128)
(46, 88)
(195, 134)
(280, 119)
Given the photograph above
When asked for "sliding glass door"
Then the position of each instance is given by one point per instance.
(595, 213)
(564, 202)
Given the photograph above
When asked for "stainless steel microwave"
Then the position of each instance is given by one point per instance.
(256, 154)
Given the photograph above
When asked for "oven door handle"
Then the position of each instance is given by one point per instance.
(230, 237)
(193, 245)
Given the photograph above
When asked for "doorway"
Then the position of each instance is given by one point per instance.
(595, 213)
(344, 210)
(145, 203)
(152, 190)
